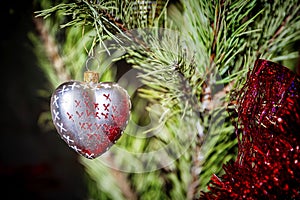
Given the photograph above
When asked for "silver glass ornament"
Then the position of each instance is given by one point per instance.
(90, 116)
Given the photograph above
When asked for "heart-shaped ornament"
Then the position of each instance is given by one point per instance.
(90, 116)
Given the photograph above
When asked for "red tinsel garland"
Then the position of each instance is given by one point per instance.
(268, 130)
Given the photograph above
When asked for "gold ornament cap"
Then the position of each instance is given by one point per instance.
(91, 77)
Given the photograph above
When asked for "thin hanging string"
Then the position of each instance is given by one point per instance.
(90, 53)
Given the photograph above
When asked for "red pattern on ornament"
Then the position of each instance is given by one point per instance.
(267, 164)
(107, 96)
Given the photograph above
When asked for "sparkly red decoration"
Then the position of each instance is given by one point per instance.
(268, 130)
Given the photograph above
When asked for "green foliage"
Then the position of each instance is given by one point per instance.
(106, 18)
(188, 55)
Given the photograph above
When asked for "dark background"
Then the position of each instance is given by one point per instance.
(34, 163)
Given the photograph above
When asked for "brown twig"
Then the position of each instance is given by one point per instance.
(51, 50)
(276, 34)
(121, 180)
(209, 101)
(193, 188)
(280, 29)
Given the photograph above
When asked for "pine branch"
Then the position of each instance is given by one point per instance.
(107, 18)
(216, 36)
(280, 32)
(90, 14)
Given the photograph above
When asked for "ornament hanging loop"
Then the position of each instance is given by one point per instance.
(90, 60)
(91, 76)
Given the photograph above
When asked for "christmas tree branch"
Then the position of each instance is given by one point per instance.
(107, 18)
(93, 14)
(282, 32)
(216, 31)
